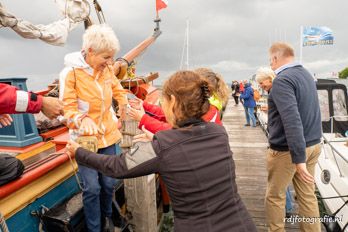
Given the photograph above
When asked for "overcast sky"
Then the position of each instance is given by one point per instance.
(231, 37)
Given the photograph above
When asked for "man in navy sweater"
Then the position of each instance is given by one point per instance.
(294, 125)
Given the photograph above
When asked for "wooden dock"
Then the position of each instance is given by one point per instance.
(249, 146)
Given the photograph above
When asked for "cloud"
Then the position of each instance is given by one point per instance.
(230, 66)
(324, 63)
(232, 37)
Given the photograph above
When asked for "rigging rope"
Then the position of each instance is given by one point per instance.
(322, 198)
(3, 225)
(99, 12)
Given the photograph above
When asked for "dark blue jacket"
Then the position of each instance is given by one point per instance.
(248, 96)
(294, 121)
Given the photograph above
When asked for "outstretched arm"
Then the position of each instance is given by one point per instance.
(13, 101)
(139, 161)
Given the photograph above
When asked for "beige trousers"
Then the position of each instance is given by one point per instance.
(281, 171)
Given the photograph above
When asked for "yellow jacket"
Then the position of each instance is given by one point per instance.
(88, 92)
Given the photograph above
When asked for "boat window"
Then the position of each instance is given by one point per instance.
(339, 104)
(324, 104)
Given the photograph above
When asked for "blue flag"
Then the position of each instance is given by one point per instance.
(317, 36)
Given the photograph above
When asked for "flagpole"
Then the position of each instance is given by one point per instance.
(301, 43)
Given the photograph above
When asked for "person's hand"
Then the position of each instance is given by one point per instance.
(52, 107)
(301, 169)
(136, 114)
(136, 103)
(88, 127)
(5, 120)
(120, 69)
(146, 137)
(264, 108)
(71, 148)
(121, 111)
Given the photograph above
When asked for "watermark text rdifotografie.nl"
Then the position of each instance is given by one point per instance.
(326, 218)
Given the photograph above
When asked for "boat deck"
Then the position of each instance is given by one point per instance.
(249, 146)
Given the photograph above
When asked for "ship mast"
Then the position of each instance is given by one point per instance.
(185, 49)
(140, 48)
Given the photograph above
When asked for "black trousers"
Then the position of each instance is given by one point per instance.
(236, 99)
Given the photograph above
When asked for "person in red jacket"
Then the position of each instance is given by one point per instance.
(15, 101)
(152, 116)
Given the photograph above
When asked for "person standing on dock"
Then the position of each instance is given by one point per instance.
(235, 92)
(247, 96)
(264, 77)
(294, 125)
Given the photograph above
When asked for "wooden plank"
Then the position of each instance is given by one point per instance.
(249, 147)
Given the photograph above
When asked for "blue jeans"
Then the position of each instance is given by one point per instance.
(97, 192)
(249, 115)
(288, 205)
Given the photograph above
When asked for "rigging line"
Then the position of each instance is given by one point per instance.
(99, 12)
(66, 8)
(322, 198)
(73, 168)
(3, 224)
(346, 202)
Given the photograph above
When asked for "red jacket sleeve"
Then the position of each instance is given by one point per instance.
(155, 111)
(213, 115)
(152, 124)
(13, 101)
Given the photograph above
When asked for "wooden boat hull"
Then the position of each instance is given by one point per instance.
(48, 180)
(24, 220)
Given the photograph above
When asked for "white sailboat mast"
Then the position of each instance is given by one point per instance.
(187, 43)
(185, 50)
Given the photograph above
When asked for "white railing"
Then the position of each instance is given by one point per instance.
(336, 116)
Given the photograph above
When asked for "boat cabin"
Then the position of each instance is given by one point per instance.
(333, 103)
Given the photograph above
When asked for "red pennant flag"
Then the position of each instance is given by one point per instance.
(161, 4)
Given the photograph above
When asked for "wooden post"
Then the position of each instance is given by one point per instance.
(140, 192)
(141, 202)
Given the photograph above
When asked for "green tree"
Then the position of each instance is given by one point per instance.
(343, 74)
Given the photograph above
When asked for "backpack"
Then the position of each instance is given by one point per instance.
(257, 95)
(10, 168)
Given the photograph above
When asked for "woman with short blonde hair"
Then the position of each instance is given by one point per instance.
(88, 86)
(264, 77)
(100, 38)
